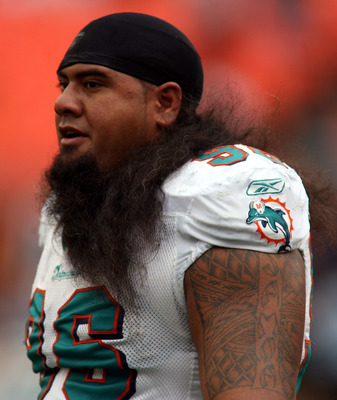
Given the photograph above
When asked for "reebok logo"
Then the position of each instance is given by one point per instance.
(265, 186)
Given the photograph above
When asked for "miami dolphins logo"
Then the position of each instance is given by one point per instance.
(273, 221)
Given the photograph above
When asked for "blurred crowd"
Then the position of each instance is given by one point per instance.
(278, 56)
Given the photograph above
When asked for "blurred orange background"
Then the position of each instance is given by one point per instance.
(279, 54)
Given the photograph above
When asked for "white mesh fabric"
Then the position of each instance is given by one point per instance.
(162, 350)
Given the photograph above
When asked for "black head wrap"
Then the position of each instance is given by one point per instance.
(142, 46)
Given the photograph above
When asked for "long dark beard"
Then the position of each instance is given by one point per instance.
(90, 208)
(109, 220)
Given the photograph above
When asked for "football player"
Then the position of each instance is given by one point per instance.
(176, 263)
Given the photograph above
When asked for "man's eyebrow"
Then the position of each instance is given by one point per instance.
(85, 73)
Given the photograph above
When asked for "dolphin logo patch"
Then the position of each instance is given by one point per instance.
(273, 222)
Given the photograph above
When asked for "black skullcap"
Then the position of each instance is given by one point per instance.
(142, 46)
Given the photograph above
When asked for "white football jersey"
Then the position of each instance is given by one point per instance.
(86, 345)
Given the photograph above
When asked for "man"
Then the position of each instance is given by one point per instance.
(175, 263)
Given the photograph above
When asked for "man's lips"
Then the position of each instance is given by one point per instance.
(73, 141)
(71, 136)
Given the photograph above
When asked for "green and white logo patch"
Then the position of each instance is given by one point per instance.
(265, 186)
(60, 273)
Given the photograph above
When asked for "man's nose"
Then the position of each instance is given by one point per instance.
(68, 103)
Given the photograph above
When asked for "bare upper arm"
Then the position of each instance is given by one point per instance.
(246, 312)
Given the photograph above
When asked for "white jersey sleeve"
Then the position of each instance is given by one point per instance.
(254, 204)
(243, 198)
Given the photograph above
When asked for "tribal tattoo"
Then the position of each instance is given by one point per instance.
(252, 309)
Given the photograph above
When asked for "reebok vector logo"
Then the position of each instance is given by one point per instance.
(265, 186)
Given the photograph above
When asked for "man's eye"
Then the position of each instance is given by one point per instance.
(92, 85)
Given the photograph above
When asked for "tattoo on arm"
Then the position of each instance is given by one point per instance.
(251, 307)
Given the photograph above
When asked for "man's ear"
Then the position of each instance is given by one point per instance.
(168, 103)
